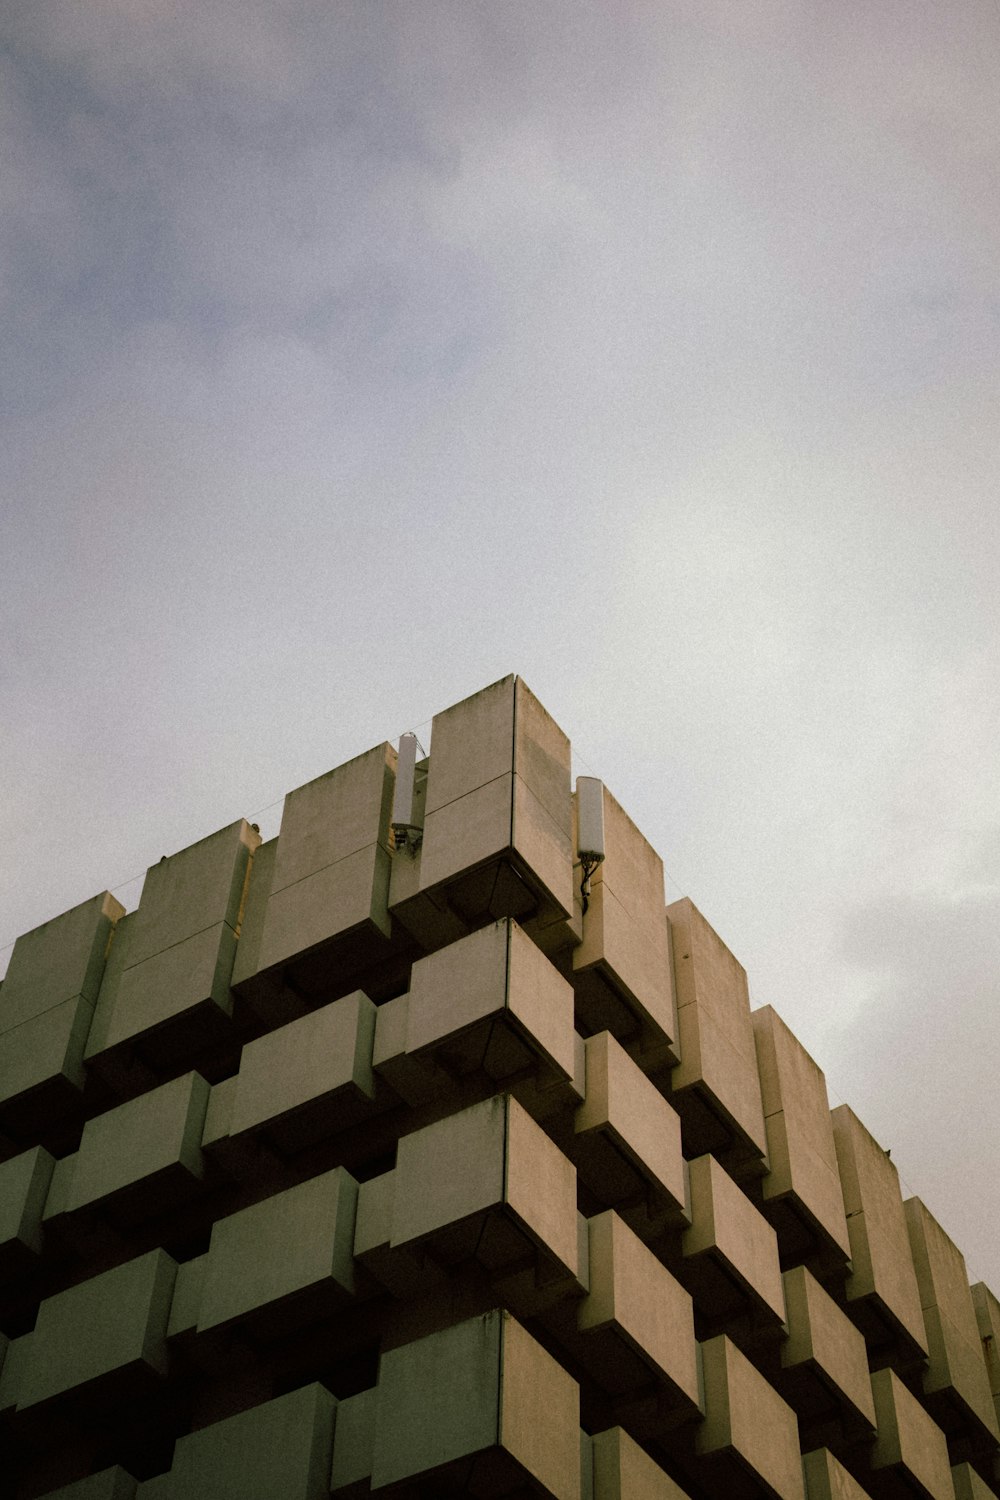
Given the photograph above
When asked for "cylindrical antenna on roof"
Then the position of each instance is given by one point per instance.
(589, 830)
(405, 829)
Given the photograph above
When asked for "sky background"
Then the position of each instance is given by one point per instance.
(357, 355)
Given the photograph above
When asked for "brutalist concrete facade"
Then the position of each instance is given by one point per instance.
(351, 1164)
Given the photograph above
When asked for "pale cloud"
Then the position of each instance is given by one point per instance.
(120, 47)
(921, 1058)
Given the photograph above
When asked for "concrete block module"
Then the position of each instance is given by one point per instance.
(410, 1154)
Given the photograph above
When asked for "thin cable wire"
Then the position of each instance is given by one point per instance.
(250, 818)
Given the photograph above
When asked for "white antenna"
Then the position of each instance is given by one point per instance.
(590, 820)
(404, 827)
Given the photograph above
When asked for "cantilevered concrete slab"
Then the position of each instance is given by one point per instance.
(801, 1191)
(716, 1087)
(167, 997)
(497, 821)
(882, 1293)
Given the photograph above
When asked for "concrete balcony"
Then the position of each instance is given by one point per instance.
(307, 1079)
(281, 1447)
(263, 993)
(102, 1339)
(824, 1366)
(636, 1329)
(627, 1142)
(802, 1195)
(910, 1455)
(621, 1470)
(404, 1270)
(716, 1087)
(327, 917)
(622, 972)
(956, 1381)
(115, 1483)
(59, 961)
(490, 1005)
(182, 1325)
(730, 1254)
(749, 1438)
(46, 1010)
(143, 1158)
(24, 1186)
(165, 997)
(969, 1485)
(497, 827)
(882, 1293)
(486, 1185)
(277, 1265)
(988, 1322)
(827, 1479)
(479, 1406)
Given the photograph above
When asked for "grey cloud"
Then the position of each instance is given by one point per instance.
(117, 48)
(923, 1053)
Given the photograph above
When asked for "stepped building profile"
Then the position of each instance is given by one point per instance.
(409, 1154)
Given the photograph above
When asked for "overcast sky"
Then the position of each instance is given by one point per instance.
(355, 355)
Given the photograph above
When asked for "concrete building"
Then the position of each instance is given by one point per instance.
(387, 1158)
